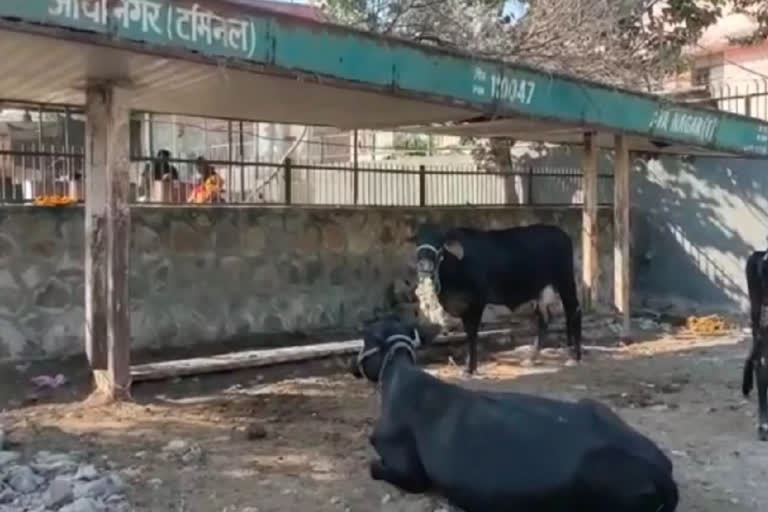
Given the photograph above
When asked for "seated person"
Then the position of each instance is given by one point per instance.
(160, 169)
(210, 187)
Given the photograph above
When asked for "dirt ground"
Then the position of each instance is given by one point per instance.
(682, 392)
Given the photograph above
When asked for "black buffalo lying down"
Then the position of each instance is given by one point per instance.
(756, 364)
(499, 452)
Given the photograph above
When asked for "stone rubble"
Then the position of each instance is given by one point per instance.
(56, 482)
(189, 453)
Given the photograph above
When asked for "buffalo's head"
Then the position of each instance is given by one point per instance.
(382, 338)
(432, 248)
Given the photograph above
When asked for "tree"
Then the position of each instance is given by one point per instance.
(632, 43)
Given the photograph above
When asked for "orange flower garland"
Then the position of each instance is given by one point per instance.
(54, 200)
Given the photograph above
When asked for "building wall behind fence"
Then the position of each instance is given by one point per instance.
(694, 227)
(206, 275)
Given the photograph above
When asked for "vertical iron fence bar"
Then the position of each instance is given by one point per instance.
(242, 165)
(68, 164)
(39, 159)
(151, 134)
(530, 185)
(355, 168)
(230, 152)
(422, 185)
(287, 171)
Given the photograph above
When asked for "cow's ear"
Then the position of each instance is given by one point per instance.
(454, 247)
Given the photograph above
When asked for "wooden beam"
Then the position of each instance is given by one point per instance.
(621, 232)
(270, 357)
(590, 239)
(107, 229)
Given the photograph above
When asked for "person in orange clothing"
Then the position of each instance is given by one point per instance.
(210, 188)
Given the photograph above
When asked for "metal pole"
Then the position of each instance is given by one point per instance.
(287, 170)
(422, 185)
(242, 164)
(355, 168)
(39, 158)
(530, 185)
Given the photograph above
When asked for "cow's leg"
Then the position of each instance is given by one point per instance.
(573, 333)
(471, 321)
(399, 463)
(572, 310)
(541, 313)
(761, 372)
(412, 482)
(749, 364)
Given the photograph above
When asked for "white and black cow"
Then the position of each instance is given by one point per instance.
(494, 451)
(472, 268)
(756, 365)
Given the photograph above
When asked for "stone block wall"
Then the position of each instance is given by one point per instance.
(206, 275)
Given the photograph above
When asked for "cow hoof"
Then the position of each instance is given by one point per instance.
(571, 362)
(470, 375)
(528, 363)
(762, 432)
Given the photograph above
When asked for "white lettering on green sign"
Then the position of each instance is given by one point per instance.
(513, 90)
(193, 24)
(505, 88)
(760, 146)
(480, 77)
(699, 126)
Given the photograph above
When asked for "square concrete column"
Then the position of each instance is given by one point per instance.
(590, 238)
(621, 232)
(107, 232)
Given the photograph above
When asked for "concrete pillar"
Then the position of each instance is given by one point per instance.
(590, 237)
(107, 231)
(621, 232)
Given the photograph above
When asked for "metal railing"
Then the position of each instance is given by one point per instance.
(746, 97)
(30, 171)
(41, 154)
(368, 184)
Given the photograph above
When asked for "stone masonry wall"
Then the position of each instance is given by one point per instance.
(205, 275)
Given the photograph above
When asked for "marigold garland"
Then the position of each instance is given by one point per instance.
(54, 200)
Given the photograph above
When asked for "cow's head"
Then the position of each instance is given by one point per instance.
(382, 339)
(432, 247)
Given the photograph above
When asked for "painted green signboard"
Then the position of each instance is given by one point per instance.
(226, 31)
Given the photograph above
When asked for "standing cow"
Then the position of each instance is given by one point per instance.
(472, 268)
(756, 365)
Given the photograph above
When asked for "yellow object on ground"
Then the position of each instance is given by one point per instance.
(707, 325)
(54, 201)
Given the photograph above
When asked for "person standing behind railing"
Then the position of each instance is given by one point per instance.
(210, 187)
(161, 169)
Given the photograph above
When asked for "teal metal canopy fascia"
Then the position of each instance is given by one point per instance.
(266, 42)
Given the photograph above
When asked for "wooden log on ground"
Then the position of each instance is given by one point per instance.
(271, 357)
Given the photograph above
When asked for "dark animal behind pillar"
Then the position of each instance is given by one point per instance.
(756, 364)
